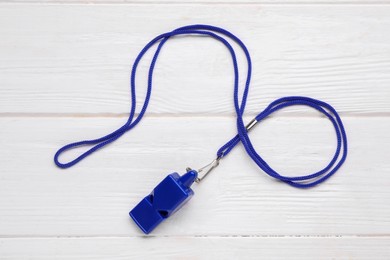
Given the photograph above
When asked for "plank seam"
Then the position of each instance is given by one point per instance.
(195, 236)
(270, 3)
(186, 115)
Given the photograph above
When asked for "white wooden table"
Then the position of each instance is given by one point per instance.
(64, 76)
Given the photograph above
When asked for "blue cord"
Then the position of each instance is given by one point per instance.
(305, 181)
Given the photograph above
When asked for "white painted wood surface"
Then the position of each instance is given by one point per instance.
(196, 248)
(203, 2)
(76, 59)
(64, 72)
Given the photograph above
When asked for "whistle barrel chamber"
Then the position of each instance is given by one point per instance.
(168, 197)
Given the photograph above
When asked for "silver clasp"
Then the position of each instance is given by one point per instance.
(211, 166)
(207, 169)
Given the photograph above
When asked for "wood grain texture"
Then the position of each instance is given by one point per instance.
(75, 59)
(196, 248)
(64, 75)
(204, 2)
(93, 198)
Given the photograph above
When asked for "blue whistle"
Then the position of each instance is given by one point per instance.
(168, 197)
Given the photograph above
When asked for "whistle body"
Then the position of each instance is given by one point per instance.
(168, 197)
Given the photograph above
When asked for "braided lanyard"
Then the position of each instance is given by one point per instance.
(158, 207)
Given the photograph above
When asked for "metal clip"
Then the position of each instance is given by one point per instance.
(207, 169)
(211, 166)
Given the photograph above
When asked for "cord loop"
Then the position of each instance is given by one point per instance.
(304, 181)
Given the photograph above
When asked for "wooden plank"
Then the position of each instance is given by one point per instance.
(197, 248)
(208, 2)
(75, 59)
(94, 197)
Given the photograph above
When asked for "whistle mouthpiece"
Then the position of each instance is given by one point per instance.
(168, 197)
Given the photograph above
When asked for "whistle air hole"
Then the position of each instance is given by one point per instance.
(151, 197)
(163, 213)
